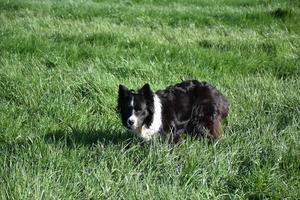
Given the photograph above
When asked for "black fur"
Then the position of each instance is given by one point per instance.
(190, 107)
(193, 107)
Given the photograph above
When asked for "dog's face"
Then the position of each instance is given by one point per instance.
(135, 107)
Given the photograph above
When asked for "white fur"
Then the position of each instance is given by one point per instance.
(156, 123)
(148, 133)
(133, 117)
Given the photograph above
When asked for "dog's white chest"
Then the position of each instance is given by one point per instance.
(146, 133)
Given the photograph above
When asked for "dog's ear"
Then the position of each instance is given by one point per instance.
(123, 90)
(146, 90)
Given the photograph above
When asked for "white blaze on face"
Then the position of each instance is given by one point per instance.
(133, 118)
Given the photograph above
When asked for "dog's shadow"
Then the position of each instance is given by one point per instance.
(72, 137)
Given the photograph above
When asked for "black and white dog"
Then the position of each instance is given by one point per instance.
(190, 107)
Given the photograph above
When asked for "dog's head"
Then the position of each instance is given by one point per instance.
(135, 106)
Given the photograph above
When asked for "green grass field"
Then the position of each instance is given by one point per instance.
(60, 66)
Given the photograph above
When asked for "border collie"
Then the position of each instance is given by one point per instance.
(192, 107)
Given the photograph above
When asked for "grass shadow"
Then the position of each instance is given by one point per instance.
(88, 137)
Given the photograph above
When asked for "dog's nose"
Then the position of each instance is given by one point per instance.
(130, 122)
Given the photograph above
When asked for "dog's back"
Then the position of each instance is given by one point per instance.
(193, 106)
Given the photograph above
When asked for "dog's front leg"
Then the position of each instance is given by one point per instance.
(175, 133)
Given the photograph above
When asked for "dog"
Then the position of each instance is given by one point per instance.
(193, 107)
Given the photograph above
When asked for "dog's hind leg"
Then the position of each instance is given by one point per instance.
(210, 128)
(214, 128)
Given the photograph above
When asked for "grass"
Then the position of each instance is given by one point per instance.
(60, 66)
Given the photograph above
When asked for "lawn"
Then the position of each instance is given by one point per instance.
(60, 66)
